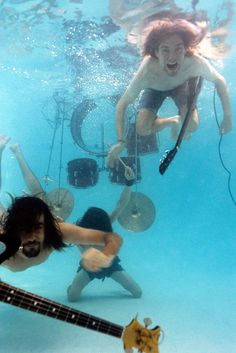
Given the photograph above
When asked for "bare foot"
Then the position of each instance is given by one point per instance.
(3, 141)
(15, 148)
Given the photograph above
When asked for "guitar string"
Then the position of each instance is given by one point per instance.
(114, 329)
(65, 313)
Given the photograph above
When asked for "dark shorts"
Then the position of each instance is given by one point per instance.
(106, 272)
(152, 99)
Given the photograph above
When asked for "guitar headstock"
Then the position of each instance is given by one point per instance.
(138, 336)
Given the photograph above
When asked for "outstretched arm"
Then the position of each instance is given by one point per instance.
(222, 91)
(31, 181)
(117, 148)
(125, 195)
(3, 141)
(77, 235)
(208, 72)
(131, 93)
(2, 210)
(93, 259)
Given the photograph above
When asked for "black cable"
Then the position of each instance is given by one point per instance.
(220, 154)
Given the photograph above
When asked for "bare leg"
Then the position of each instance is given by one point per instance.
(127, 282)
(80, 281)
(3, 141)
(148, 123)
(31, 181)
(192, 124)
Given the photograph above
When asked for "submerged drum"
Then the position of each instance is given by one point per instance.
(82, 172)
(117, 174)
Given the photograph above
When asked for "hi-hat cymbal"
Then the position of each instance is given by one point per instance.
(61, 201)
(139, 214)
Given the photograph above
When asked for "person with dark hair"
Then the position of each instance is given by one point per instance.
(97, 218)
(30, 223)
(171, 62)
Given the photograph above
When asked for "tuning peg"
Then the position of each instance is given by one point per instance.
(147, 321)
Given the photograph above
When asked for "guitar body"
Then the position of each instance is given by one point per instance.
(137, 336)
(134, 335)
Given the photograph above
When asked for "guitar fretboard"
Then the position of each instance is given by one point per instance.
(32, 302)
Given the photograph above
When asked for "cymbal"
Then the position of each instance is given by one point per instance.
(139, 214)
(61, 201)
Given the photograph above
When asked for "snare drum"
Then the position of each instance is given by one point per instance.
(82, 172)
(117, 174)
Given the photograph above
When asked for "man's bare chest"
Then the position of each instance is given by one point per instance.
(164, 82)
(156, 77)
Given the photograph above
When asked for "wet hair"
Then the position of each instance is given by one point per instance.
(190, 33)
(96, 218)
(23, 216)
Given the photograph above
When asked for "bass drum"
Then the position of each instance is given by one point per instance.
(91, 124)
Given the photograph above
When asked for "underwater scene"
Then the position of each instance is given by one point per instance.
(117, 176)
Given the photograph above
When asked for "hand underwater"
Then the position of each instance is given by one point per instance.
(94, 260)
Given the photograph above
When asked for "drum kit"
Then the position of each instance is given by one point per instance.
(139, 214)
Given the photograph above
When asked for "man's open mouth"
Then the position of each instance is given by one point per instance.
(172, 66)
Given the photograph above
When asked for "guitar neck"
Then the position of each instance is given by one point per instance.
(28, 301)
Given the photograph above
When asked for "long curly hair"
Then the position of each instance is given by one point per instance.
(23, 216)
(159, 30)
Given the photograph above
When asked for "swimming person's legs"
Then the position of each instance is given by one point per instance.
(147, 121)
(80, 281)
(127, 282)
(181, 96)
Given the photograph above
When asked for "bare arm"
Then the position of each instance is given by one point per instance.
(222, 92)
(208, 72)
(2, 210)
(93, 259)
(31, 180)
(77, 235)
(122, 202)
(121, 107)
(3, 141)
(132, 92)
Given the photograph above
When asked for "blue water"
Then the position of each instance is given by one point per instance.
(185, 262)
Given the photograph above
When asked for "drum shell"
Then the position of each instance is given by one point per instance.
(82, 172)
